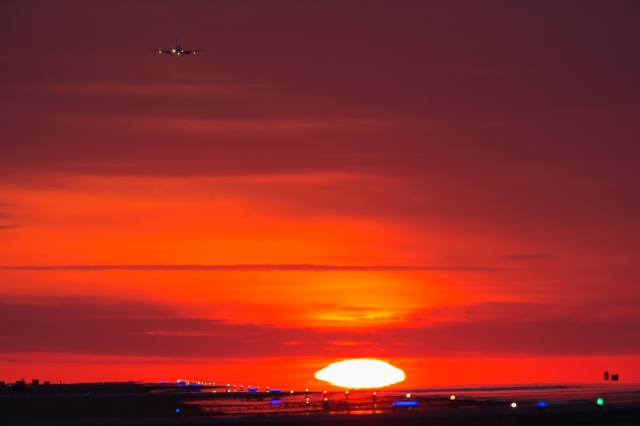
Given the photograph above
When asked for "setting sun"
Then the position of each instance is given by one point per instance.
(361, 374)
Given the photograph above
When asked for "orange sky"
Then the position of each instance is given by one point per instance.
(451, 188)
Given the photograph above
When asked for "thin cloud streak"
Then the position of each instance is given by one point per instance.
(143, 90)
(252, 268)
(528, 257)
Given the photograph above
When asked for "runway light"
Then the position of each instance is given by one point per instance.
(177, 411)
(404, 403)
(408, 395)
(542, 405)
(452, 397)
(514, 405)
(600, 401)
(291, 392)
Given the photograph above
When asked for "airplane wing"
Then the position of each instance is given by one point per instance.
(167, 51)
(186, 52)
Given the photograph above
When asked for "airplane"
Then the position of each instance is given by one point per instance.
(178, 50)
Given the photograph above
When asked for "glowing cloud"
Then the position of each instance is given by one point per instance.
(361, 374)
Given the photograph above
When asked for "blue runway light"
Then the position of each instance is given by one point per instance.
(542, 404)
(275, 391)
(404, 403)
(177, 411)
(252, 389)
(275, 401)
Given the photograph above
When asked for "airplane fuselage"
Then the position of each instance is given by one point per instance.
(177, 51)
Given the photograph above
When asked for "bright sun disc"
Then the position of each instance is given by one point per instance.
(361, 374)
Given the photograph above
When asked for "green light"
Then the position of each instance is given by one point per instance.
(600, 401)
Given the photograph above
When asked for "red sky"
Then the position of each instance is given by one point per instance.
(448, 186)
